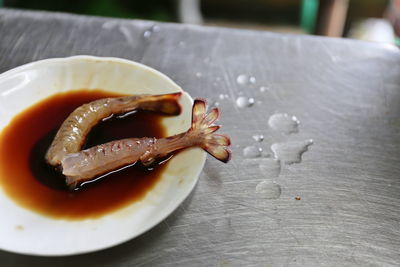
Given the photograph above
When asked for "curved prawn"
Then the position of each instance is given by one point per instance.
(90, 163)
(73, 132)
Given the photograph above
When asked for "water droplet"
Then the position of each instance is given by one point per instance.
(181, 43)
(215, 104)
(109, 24)
(243, 102)
(290, 152)
(155, 28)
(218, 79)
(268, 190)
(199, 74)
(252, 152)
(206, 60)
(147, 34)
(284, 123)
(263, 89)
(258, 137)
(242, 79)
(270, 167)
(222, 96)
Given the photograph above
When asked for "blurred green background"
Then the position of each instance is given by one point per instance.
(334, 18)
(150, 9)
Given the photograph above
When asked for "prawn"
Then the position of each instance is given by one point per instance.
(90, 163)
(72, 134)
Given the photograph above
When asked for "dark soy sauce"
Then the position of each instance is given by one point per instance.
(28, 180)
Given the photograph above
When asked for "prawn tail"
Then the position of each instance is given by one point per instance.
(167, 103)
(204, 130)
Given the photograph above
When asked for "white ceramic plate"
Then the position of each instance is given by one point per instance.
(28, 84)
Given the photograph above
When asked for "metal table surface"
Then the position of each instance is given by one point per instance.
(346, 95)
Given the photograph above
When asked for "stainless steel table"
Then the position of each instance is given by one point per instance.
(339, 207)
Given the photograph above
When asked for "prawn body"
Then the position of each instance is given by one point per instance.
(73, 132)
(86, 165)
